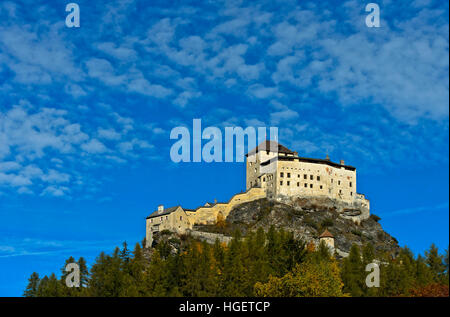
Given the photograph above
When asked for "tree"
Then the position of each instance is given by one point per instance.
(220, 222)
(157, 282)
(49, 287)
(33, 285)
(353, 272)
(42, 288)
(234, 270)
(446, 264)
(84, 272)
(309, 279)
(423, 273)
(435, 262)
(431, 290)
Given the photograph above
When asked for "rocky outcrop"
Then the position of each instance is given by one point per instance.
(305, 217)
(308, 217)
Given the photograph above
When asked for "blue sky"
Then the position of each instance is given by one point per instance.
(86, 113)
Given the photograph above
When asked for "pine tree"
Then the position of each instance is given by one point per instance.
(353, 273)
(446, 266)
(42, 288)
(33, 285)
(424, 275)
(84, 272)
(137, 271)
(435, 262)
(156, 282)
(49, 287)
(233, 276)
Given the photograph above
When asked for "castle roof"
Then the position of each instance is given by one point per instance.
(308, 160)
(326, 234)
(164, 212)
(268, 145)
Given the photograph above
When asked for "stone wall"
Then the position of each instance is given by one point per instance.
(181, 220)
(209, 236)
(208, 215)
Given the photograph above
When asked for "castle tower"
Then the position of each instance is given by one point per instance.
(327, 238)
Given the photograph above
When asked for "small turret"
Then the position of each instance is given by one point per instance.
(327, 238)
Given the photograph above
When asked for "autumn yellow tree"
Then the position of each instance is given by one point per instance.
(311, 278)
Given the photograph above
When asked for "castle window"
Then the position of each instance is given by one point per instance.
(351, 193)
(306, 185)
(350, 184)
(264, 179)
(281, 174)
(339, 182)
(321, 187)
(331, 180)
(288, 183)
(288, 174)
(298, 175)
(340, 191)
(305, 176)
(311, 177)
(281, 182)
(311, 185)
(298, 184)
(181, 218)
(318, 178)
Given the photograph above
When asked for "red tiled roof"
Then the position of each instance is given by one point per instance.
(326, 234)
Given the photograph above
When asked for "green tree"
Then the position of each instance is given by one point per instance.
(49, 287)
(310, 279)
(353, 272)
(33, 285)
(435, 262)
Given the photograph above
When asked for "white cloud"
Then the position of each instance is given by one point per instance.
(94, 146)
(55, 191)
(108, 134)
(119, 52)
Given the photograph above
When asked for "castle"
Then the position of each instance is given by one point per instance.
(274, 172)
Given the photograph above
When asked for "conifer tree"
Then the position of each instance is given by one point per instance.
(424, 275)
(49, 287)
(353, 272)
(446, 265)
(435, 262)
(33, 285)
(42, 287)
(233, 276)
(137, 271)
(84, 272)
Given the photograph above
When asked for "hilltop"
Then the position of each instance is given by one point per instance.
(306, 218)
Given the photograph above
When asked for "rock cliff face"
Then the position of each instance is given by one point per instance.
(306, 218)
